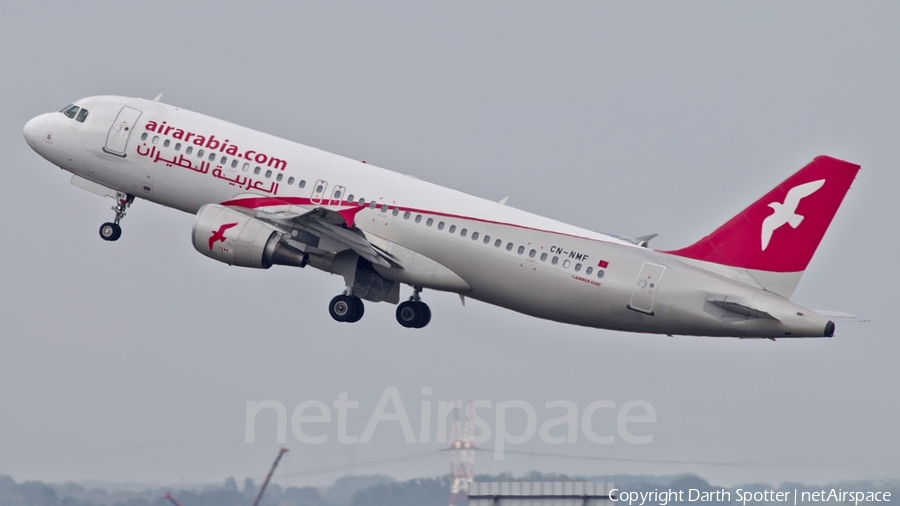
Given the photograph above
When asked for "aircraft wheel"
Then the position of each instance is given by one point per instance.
(413, 314)
(343, 308)
(426, 315)
(359, 309)
(110, 231)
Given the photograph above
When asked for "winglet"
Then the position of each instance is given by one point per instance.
(158, 97)
(350, 214)
(644, 240)
(503, 200)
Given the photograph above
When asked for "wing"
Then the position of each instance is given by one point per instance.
(328, 229)
(795, 194)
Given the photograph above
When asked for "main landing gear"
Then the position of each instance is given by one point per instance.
(413, 314)
(346, 308)
(112, 231)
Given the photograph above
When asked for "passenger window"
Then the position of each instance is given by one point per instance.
(144, 136)
(429, 223)
(246, 166)
(566, 263)
(509, 246)
(452, 229)
(577, 267)
(82, 115)
(291, 180)
(532, 253)
(384, 208)
(155, 139)
(71, 111)
(555, 260)
(178, 147)
(362, 201)
(396, 212)
(441, 226)
(599, 273)
(418, 218)
(268, 174)
(589, 270)
(166, 143)
(350, 198)
(256, 170)
(280, 177)
(497, 243)
(234, 166)
(543, 257)
(189, 150)
(212, 157)
(406, 215)
(487, 239)
(474, 236)
(302, 183)
(372, 205)
(200, 153)
(463, 232)
(337, 193)
(521, 249)
(223, 161)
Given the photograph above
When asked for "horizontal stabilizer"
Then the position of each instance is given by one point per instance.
(737, 306)
(841, 317)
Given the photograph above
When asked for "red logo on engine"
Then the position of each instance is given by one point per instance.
(219, 235)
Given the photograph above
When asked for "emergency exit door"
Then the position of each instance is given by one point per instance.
(645, 287)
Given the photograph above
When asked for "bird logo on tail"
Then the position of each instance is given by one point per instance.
(785, 211)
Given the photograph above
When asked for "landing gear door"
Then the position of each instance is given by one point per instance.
(645, 287)
(117, 139)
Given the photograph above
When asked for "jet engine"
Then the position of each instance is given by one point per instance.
(235, 238)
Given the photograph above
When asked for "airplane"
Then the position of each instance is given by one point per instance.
(260, 201)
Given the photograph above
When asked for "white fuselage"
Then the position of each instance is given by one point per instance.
(530, 264)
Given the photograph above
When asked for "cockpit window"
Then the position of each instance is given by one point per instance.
(66, 108)
(71, 111)
(82, 115)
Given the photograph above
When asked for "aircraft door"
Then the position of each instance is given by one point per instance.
(338, 195)
(117, 138)
(645, 287)
(319, 191)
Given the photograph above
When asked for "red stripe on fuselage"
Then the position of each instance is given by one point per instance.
(258, 202)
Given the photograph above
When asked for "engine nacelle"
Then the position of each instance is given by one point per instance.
(235, 238)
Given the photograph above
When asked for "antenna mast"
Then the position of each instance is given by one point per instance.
(462, 454)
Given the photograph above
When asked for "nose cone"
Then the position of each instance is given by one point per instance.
(32, 130)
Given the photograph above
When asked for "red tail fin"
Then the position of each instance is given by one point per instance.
(781, 231)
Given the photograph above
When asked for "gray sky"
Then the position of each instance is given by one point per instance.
(135, 360)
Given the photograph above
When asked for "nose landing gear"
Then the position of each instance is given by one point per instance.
(112, 231)
(413, 314)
